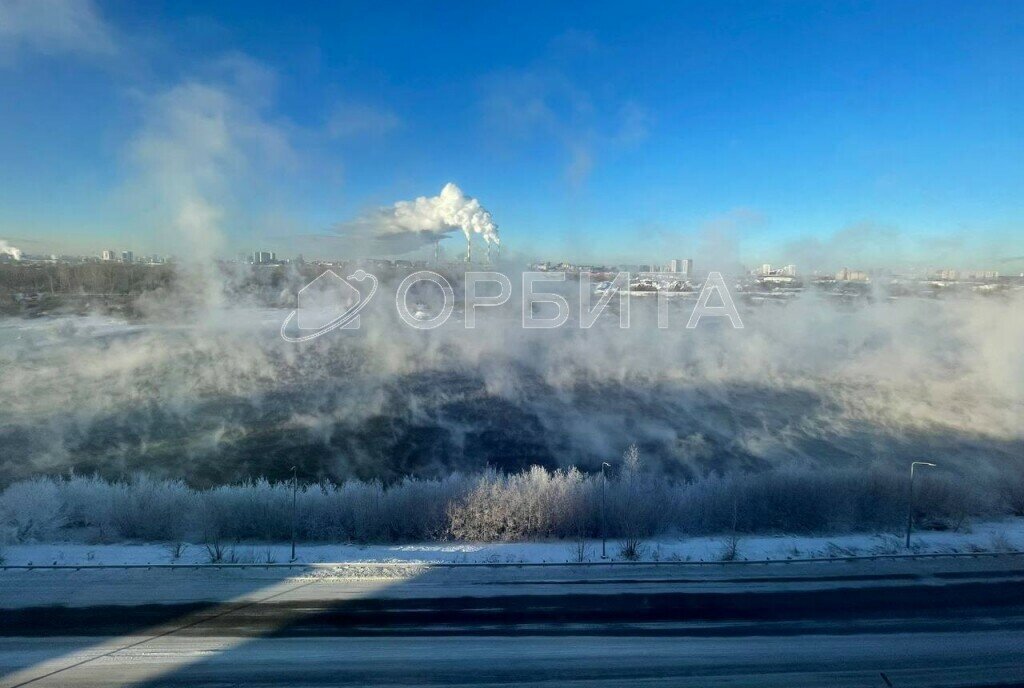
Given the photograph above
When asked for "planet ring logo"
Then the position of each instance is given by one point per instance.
(328, 303)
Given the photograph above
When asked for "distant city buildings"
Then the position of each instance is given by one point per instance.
(682, 267)
(780, 276)
(112, 256)
(950, 275)
(848, 275)
(674, 276)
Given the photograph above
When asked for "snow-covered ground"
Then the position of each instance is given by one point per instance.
(1005, 535)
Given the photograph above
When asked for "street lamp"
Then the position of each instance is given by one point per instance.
(604, 527)
(295, 492)
(910, 498)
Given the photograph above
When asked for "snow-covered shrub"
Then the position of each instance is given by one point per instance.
(255, 510)
(1012, 489)
(417, 509)
(639, 501)
(143, 508)
(148, 509)
(946, 503)
(535, 503)
(483, 513)
(89, 503)
(33, 510)
(730, 548)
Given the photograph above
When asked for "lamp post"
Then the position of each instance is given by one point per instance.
(910, 497)
(295, 492)
(604, 527)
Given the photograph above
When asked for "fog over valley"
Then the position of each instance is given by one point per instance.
(213, 394)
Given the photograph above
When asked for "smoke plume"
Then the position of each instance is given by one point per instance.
(408, 225)
(7, 250)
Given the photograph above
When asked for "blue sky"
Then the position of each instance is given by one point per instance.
(816, 133)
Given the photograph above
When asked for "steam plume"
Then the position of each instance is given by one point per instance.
(8, 250)
(408, 225)
(806, 384)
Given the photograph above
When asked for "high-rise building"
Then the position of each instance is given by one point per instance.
(263, 257)
(127, 257)
(766, 269)
(682, 266)
(108, 254)
(789, 271)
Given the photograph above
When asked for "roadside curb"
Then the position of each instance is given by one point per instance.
(538, 564)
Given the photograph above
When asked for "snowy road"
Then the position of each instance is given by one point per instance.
(952, 623)
(944, 659)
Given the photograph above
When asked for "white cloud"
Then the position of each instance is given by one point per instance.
(52, 27)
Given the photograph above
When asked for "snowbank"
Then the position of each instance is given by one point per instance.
(1007, 535)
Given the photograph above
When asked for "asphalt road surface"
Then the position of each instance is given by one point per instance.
(952, 623)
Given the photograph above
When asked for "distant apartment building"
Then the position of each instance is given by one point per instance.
(783, 275)
(980, 275)
(108, 255)
(848, 275)
(681, 266)
(264, 257)
(127, 257)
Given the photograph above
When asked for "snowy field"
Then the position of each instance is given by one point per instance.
(1007, 535)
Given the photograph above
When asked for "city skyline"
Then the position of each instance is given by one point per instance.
(681, 266)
